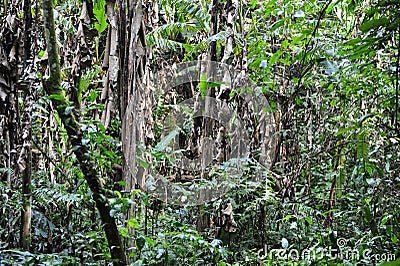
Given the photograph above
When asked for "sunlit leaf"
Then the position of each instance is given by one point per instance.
(100, 14)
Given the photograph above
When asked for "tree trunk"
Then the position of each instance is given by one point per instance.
(25, 161)
(53, 88)
(26, 214)
(134, 96)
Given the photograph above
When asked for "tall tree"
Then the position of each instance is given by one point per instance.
(16, 121)
(134, 92)
(26, 153)
(70, 120)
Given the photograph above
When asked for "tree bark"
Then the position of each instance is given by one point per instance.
(135, 94)
(135, 97)
(53, 88)
(26, 212)
(25, 165)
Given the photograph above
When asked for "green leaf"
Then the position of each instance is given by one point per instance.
(41, 53)
(362, 146)
(285, 44)
(167, 140)
(121, 183)
(393, 25)
(124, 232)
(133, 223)
(203, 85)
(93, 96)
(118, 193)
(277, 25)
(222, 35)
(56, 97)
(353, 41)
(343, 130)
(369, 167)
(99, 12)
(394, 239)
(140, 242)
(341, 178)
(371, 24)
(386, 219)
(216, 84)
(143, 163)
(274, 58)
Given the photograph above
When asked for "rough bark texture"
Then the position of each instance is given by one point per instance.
(53, 88)
(135, 94)
(9, 110)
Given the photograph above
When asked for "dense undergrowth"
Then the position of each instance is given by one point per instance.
(329, 71)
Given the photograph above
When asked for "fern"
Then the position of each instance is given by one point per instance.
(186, 10)
(184, 18)
(57, 194)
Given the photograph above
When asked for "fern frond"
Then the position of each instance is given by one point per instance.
(183, 17)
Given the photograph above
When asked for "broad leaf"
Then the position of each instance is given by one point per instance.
(374, 23)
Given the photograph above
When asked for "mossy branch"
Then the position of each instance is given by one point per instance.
(53, 83)
(57, 95)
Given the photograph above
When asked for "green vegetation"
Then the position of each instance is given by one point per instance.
(96, 111)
